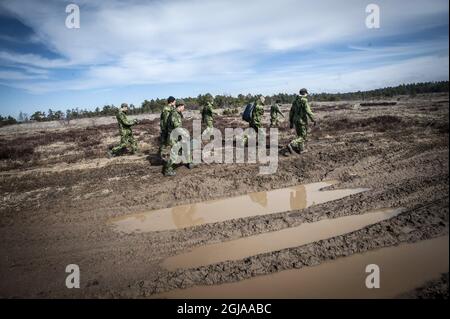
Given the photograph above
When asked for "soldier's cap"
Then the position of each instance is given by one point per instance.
(180, 102)
(303, 91)
(170, 99)
(123, 105)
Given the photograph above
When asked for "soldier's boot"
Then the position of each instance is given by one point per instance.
(168, 169)
(135, 151)
(170, 173)
(301, 149)
(115, 151)
(285, 153)
(291, 149)
(191, 165)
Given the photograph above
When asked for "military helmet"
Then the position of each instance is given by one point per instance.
(123, 105)
(180, 102)
(303, 91)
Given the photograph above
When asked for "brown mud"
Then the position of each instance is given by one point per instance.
(59, 190)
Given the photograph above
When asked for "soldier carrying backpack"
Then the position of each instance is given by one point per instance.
(253, 114)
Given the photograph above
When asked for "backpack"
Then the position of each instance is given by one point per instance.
(247, 115)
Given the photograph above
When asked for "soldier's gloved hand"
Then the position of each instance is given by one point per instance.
(136, 121)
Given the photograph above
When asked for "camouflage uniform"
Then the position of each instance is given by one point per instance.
(207, 115)
(298, 118)
(256, 119)
(174, 120)
(163, 138)
(126, 134)
(274, 112)
(258, 112)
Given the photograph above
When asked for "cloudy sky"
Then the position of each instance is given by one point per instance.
(130, 50)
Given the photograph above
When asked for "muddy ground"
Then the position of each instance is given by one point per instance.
(59, 190)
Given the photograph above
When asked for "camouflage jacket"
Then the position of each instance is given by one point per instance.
(207, 113)
(124, 123)
(257, 114)
(165, 113)
(175, 120)
(300, 111)
(163, 119)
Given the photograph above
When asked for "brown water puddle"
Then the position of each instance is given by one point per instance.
(277, 240)
(253, 204)
(402, 268)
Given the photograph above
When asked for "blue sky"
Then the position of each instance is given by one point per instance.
(128, 51)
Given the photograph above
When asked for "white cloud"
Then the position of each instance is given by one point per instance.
(420, 69)
(136, 42)
(14, 75)
(34, 60)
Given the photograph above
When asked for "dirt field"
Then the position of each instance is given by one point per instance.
(59, 192)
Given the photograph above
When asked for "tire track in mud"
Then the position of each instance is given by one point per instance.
(406, 195)
(409, 190)
(383, 234)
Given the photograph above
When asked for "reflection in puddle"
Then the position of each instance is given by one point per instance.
(277, 240)
(185, 215)
(402, 268)
(261, 203)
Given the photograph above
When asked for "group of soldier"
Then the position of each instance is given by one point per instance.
(172, 117)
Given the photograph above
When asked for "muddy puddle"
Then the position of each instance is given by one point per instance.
(402, 268)
(277, 240)
(253, 204)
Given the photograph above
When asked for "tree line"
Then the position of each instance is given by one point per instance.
(228, 101)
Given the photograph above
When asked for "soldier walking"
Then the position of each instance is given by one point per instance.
(298, 118)
(207, 116)
(274, 112)
(165, 113)
(126, 134)
(168, 155)
(256, 117)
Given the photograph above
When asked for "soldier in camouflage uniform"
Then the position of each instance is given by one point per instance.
(126, 134)
(257, 114)
(274, 112)
(174, 121)
(298, 119)
(165, 112)
(207, 115)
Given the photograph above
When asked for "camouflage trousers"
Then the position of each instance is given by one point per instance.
(208, 128)
(298, 143)
(126, 141)
(254, 127)
(169, 157)
(208, 123)
(162, 142)
(274, 121)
